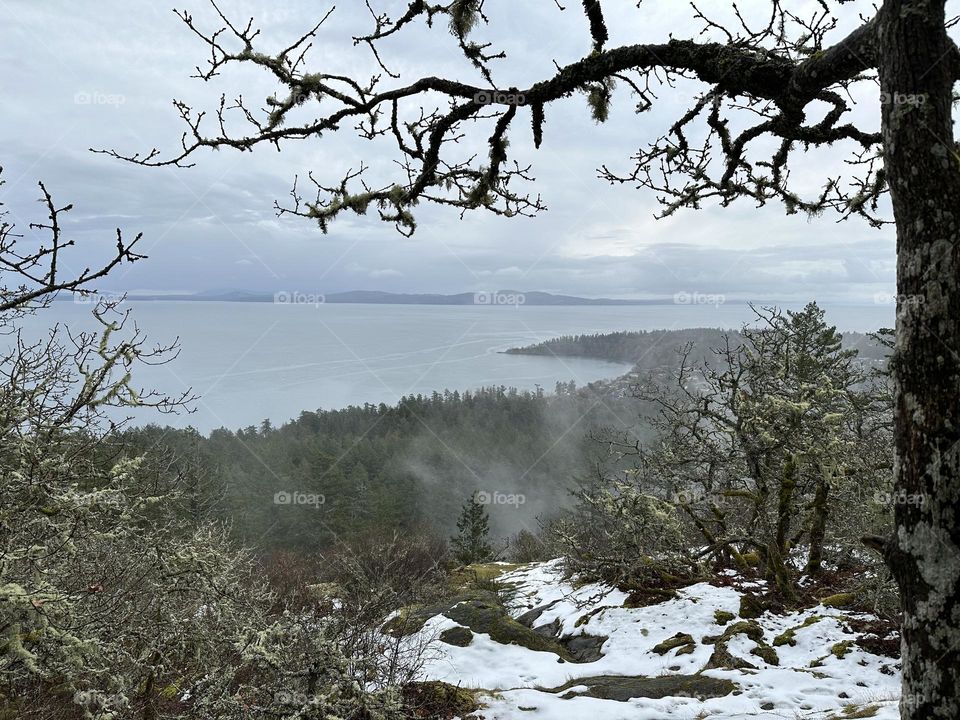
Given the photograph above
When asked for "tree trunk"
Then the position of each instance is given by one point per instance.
(818, 522)
(922, 169)
(785, 503)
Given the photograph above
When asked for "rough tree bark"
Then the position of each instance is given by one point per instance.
(818, 523)
(921, 163)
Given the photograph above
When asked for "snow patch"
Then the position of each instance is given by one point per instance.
(810, 680)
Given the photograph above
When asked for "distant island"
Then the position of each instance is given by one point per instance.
(374, 297)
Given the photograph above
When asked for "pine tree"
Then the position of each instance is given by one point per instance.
(470, 544)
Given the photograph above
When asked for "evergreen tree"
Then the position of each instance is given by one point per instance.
(774, 450)
(470, 544)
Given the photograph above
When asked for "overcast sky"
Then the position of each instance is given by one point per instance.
(102, 74)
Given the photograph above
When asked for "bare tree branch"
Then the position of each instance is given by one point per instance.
(38, 271)
(783, 72)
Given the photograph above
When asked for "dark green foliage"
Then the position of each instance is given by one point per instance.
(658, 348)
(403, 467)
(471, 544)
(409, 466)
(527, 547)
(652, 348)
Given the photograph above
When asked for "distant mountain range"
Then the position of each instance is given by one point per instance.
(374, 297)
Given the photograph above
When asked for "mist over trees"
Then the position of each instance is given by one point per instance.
(411, 465)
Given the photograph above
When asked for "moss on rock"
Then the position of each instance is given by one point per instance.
(753, 606)
(483, 615)
(624, 688)
(840, 600)
(435, 699)
(481, 612)
(722, 617)
(856, 711)
(680, 640)
(766, 653)
(410, 620)
(840, 649)
(788, 636)
(723, 659)
(458, 636)
(744, 627)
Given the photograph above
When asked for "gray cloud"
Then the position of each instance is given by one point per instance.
(85, 74)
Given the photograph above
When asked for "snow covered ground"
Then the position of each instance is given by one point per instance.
(820, 675)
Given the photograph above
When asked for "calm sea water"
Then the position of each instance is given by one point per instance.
(251, 361)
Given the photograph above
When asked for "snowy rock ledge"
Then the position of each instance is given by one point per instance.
(689, 657)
